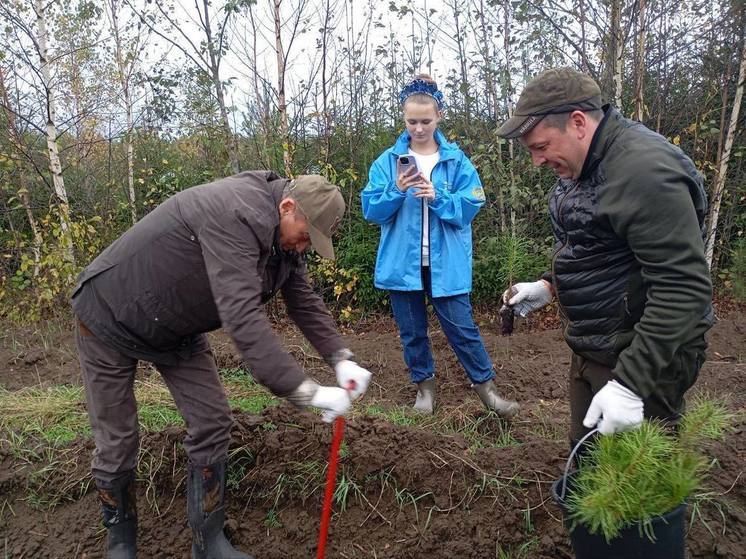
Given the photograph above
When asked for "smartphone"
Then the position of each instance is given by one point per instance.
(406, 165)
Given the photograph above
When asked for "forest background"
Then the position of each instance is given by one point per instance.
(108, 107)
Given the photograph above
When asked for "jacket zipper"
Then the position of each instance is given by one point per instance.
(562, 312)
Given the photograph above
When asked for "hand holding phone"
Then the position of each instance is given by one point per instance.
(407, 173)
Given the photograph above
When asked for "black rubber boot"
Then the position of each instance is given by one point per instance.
(206, 507)
(119, 510)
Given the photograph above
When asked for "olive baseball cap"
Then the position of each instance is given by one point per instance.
(560, 90)
(323, 205)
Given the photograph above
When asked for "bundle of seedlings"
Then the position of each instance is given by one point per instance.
(634, 477)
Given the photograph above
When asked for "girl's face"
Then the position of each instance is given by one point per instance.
(421, 120)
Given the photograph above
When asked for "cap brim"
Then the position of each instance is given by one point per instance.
(518, 126)
(321, 243)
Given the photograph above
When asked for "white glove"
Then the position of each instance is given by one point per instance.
(614, 408)
(352, 377)
(333, 402)
(528, 296)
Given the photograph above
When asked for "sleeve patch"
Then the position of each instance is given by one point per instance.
(478, 193)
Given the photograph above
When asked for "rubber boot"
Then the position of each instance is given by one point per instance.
(425, 402)
(206, 509)
(491, 399)
(119, 511)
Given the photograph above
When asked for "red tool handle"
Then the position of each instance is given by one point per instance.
(331, 479)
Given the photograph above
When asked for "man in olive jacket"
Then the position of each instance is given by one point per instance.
(209, 256)
(629, 268)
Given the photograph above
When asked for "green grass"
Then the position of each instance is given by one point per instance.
(485, 430)
(57, 415)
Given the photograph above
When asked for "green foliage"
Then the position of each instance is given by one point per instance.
(503, 260)
(641, 474)
(734, 276)
(41, 276)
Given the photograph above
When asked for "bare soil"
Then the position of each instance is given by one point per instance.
(413, 492)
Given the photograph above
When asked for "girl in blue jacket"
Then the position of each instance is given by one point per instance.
(425, 249)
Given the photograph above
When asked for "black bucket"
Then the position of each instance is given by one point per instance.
(631, 542)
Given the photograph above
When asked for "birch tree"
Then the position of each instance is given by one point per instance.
(725, 157)
(30, 23)
(129, 44)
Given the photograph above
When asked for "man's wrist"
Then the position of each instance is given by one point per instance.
(344, 354)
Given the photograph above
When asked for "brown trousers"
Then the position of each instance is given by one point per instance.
(109, 376)
(588, 377)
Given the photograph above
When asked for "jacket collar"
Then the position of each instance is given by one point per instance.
(607, 131)
(448, 150)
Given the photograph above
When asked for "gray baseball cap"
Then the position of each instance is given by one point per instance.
(322, 203)
(559, 90)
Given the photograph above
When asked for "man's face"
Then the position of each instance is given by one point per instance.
(562, 150)
(294, 234)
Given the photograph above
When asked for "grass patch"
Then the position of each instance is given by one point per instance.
(404, 416)
(486, 430)
(244, 393)
(56, 415)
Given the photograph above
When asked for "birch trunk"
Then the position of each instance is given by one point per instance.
(53, 152)
(509, 108)
(640, 64)
(724, 157)
(617, 52)
(124, 82)
(281, 105)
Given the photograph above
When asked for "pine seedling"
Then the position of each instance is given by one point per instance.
(633, 477)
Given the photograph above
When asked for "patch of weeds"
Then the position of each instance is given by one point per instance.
(272, 520)
(269, 426)
(399, 415)
(523, 551)
(56, 415)
(244, 393)
(253, 404)
(156, 417)
(236, 374)
(60, 479)
(544, 427)
(240, 460)
(346, 488)
(495, 486)
(483, 431)
(301, 479)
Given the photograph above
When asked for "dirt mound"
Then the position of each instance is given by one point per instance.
(466, 485)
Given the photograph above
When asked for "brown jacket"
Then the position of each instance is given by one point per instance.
(206, 257)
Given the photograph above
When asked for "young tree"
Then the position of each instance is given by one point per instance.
(722, 169)
(30, 22)
(206, 54)
(130, 41)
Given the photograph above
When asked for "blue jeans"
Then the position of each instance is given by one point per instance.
(454, 314)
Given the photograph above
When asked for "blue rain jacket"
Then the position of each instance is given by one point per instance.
(458, 197)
